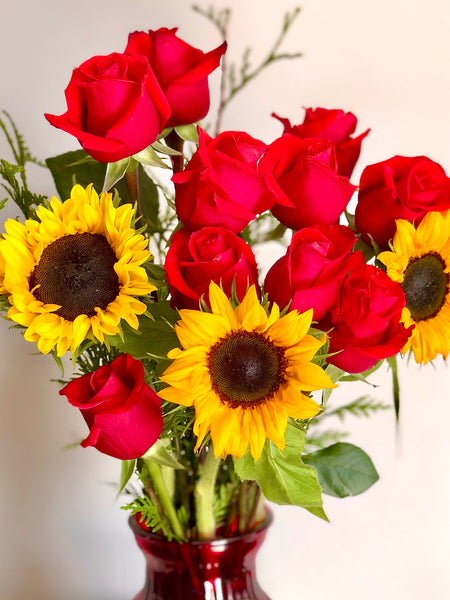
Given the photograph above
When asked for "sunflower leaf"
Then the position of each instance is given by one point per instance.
(343, 469)
(75, 167)
(154, 337)
(78, 167)
(149, 200)
(282, 475)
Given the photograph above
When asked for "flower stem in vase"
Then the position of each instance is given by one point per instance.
(204, 494)
(164, 498)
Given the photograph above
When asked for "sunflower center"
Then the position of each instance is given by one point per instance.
(246, 368)
(77, 272)
(426, 286)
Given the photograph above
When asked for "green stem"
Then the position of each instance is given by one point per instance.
(164, 498)
(174, 141)
(204, 495)
(243, 500)
(132, 181)
(395, 386)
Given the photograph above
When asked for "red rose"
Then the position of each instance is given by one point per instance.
(335, 126)
(123, 413)
(366, 321)
(221, 185)
(181, 70)
(313, 269)
(399, 188)
(210, 254)
(115, 106)
(304, 175)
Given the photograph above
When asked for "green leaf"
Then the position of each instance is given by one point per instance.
(362, 376)
(149, 157)
(156, 273)
(153, 338)
(164, 149)
(188, 133)
(334, 373)
(149, 201)
(75, 167)
(114, 173)
(282, 475)
(351, 220)
(318, 512)
(126, 473)
(343, 469)
(160, 454)
(392, 361)
(78, 167)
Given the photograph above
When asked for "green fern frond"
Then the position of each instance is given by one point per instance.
(20, 150)
(223, 497)
(19, 193)
(363, 406)
(26, 200)
(94, 356)
(151, 516)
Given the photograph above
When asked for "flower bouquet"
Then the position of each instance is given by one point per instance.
(208, 381)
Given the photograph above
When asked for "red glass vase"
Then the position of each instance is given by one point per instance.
(219, 569)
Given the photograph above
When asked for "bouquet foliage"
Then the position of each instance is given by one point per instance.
(208, 381)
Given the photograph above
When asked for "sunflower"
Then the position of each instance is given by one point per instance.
(74, 273)
(420, 262)
(244, 372)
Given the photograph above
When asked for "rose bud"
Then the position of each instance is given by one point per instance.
(313, 269)
(399, 188)
(122, 412)
(222, 185)
(210, 254)
(115, 106)
(365, 324)
(181, 70)
(333, 125)
(303, 174)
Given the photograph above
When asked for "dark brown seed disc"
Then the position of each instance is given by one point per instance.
(246, 368)
(76, 272)
(426, 286)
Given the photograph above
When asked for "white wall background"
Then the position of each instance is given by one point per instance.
(62, 535)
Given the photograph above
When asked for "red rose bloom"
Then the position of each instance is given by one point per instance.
(181, 70)
(335, 126)
(210, 254)
(221, 185)
(123, 413)
(399, 188)
(115, 106)
(304, 175)
(366, 321)
(313, 269)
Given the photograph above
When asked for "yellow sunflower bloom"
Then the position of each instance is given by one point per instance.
(74, 273)
(244, 372)
(420, 262)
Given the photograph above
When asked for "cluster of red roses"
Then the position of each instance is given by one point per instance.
(303, 178)
(118, 104)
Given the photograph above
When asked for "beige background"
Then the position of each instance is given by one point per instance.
(62, 535)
